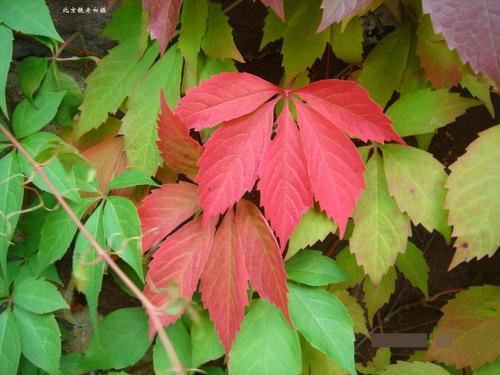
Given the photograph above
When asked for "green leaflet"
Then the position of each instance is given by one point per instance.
(29, 118)
(348, 44)
(123, 231)
(181, 342)
(376, 296)
(194, 22)
(265, 345)
(311, 267)
(324, 321)
(38, 296)
(356, 312)
(88, 267)
(120, 340)
(6, 39)
(40, 338)
(274, 29)
(381, 230)
(413, 76)
(205, 343)
(413, 266)
(382, 358)
(127, 22)
(209, 66)
(479, 89)
(383, 68)
(414, 368)
(10, 344)
(314, 362)
(28, 17)
(473, 198)
(31, 72)
(130, 178)
(416, 181)
(347, 262)
(144, 105)
(314, 226)
(425, 110)
(11, 200)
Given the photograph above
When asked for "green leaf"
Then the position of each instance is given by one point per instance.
(314, 226)
(204, 340)
(356, 312)
(376, 296)
(123, 231)
(274, 29)
(6, 39)
(383, 68)
(128, 21)
(312, 268)
(489, 368)
(31, 72)
(218, 39)
(480, 90)
(41, 339)
(413, 266)
(347, 44)
(11, 201)
(120, 340)
(414, 368)
(413, 77)
(416, 181)
(70, 364)
(144, 105)
(10, 344)
(29, 117)
(209, 66)
(473, 198)
(314, 362)
(181, 342)
(425, 110)
(381, 230)
(130, 178)
(28, 17)
(265, 345)
(57, 233)
(38, 296)
(324, 322)
(382, 359)
(194, 22)
(347, 262)
(88, 267)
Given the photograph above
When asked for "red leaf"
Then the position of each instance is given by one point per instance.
(224, 282)
(336, 10)
(163, 18)
(178, 149)
(165, 209)
(262, 256)
(222, 98)
(285, 189)
(177, 266)
(277, 6)
(335, 166)
(348, 106)
(230, 162)
(473, 29)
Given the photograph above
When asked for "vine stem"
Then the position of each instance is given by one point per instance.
(148, 305)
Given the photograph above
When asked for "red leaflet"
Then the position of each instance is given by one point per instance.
(348, 106)
(224, 282)
(335, 166)
(176, 267)
(277, 6)
(165, 209)
(230, 162)
(178, 149)
(285, 189)
(262, 256)
(222, 98)
(336, 10)
(163, 17)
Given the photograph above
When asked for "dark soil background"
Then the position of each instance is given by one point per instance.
(247, 19)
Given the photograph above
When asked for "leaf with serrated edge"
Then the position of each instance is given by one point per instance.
(204, 340)
(310, 267)
(413, 266)
(10, 344)
(163, 18)
(376, 296)
(336, 10)
(413, 368)
(355, 311)
(38, 296)
(277, 6)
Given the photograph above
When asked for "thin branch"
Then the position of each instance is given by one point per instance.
(150, 307)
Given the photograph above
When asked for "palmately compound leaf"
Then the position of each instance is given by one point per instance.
(381, 230)
(310, 267)
(6, 39)
(416, 181)
(413, 368)
(413, 266)
(473, 198)
(181, 342)
(266, 344)
(10, 344)
(163, 18)
(376, 296)
(467, 334)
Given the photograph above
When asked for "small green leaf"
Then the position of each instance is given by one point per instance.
(29, 117)
(38, 296)
(41, 339)
(31, 72)
(204, 340)
(312, 268)
(414, 368)
(413, 76)
(265, 345)
(130, 178)
(6, 39)
(425, 110)
(120, 340)
(314, 362)
(480, 90)
(194, 22)
(347, 262)
(181, 342)
(324, 322)
(413, 266)
(209, 66)
(376, 296)
(10, 344)
(274, 29)
(348, 44)
(356, 312)
(123, 231)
